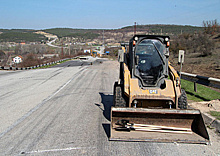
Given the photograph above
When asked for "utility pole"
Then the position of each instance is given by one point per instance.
(103, 37)
(69, 49)
(102, 49)
(135, 24)
(62, 47)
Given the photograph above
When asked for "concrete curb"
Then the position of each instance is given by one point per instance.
(33, 67)
(211, 121)
(41, 65)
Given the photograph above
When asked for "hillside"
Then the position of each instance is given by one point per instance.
(169, 29)
(20, 36)
(140, 29)
(111, 35)
(16, 30)
(64, 32)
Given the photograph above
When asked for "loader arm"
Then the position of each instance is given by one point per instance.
(176, 82)
(172, 71)
(126, 80)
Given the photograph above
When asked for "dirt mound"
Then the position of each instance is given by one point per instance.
(206, 106)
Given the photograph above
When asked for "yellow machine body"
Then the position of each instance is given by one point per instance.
(151, 97)
(154, 112)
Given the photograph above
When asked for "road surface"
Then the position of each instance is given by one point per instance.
(50, 43)
(65, 110)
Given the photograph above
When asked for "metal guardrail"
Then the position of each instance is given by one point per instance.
(207, 81)
(33, 67)
(37, 66)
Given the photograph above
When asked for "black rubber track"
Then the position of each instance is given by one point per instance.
(119, 99)
(182, 100)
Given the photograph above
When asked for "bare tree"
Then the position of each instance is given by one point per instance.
(18, 49)
(211, 27)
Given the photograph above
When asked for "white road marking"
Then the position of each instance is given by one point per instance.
(57, 150)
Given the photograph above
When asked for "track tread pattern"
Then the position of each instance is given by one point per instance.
(119, 100)
(182, 100)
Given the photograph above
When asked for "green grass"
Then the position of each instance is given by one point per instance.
(215, 114)
(48, 66)
(203, 93)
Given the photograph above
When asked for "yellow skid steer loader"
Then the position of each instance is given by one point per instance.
(149, 104)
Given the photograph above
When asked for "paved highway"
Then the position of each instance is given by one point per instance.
(50, 43)
(65, 110)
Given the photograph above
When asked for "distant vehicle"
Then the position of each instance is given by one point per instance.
(94, 53)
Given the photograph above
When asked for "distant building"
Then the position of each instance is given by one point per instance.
(91, 43)
(17, 59)
(48, 56)
(87, 51)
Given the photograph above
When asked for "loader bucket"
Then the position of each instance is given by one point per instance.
(158, 125)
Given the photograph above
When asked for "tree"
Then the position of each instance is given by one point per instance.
(199, 42)
(31, 60)
(211, 27)
(205, 45)
(18, 49)
(2, 54)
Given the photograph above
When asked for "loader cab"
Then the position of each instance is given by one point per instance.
(149, 59)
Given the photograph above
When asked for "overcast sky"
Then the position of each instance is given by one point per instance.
(107, 14)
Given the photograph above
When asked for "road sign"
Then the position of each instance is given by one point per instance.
(181, 60)
(181, 56)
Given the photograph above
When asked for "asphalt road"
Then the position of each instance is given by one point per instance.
(50, 43)
(84, 61)
(65, 110)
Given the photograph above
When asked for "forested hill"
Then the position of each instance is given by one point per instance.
(69, 32)
(21, 37)
(170, 29)
(24, 35)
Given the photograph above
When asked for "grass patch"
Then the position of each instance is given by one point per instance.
(203, 93)
(48, 66)
(215, 114)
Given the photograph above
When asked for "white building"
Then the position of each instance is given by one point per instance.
(17, 59)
